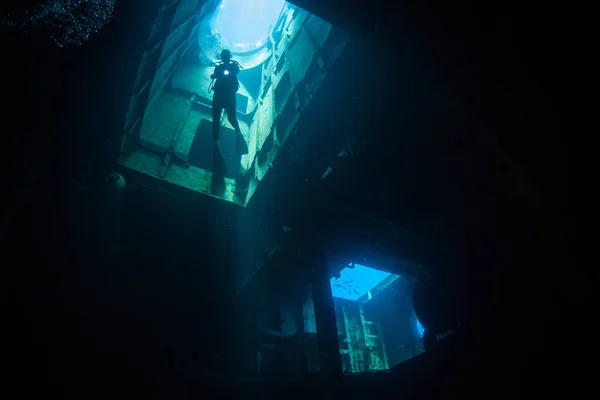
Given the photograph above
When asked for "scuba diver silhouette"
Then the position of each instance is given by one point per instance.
(225, 85)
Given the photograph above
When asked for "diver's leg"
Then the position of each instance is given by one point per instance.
(240, 142)
(217, 110)
(218, 162)
(232, 117)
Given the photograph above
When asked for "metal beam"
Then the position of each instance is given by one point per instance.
(327, 334)
(182, 47)
(163, 57)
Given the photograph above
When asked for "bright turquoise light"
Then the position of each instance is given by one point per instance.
(245, 24)
(356, 282)
(420, 328)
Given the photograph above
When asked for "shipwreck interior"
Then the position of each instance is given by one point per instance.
(376, 324)
(285, 53)
(356, 316)
(388, 229)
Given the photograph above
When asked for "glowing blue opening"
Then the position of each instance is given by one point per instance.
(354, 283)
(245, 24)
(420, 328)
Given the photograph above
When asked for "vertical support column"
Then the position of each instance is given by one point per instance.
(357, 349)
(374, 343)
(308, 311)
(327, 336)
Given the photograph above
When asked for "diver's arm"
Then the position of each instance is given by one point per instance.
(235, 68)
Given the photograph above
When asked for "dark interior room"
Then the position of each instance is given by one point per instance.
(379, 210)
